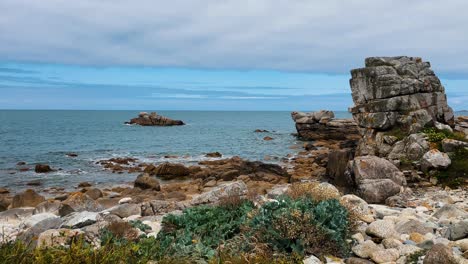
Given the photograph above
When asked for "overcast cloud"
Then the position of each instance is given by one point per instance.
(313, 36)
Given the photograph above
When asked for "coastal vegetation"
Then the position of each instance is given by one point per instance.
(280, 231)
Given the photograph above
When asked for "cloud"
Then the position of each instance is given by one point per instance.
(305, 35)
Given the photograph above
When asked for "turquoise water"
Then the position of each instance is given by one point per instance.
(46, 137)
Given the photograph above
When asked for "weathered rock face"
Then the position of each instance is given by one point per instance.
(322, 125)
(400, 93)
(153, 119)
(461, 125)
(374, 178)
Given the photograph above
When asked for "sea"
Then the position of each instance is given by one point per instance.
(46, 136)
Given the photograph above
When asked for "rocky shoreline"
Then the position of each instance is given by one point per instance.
(399, 168)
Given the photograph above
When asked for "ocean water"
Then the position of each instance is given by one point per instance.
(47, 136)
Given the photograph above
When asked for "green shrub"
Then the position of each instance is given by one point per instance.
(301, 226)
(434, 135)
(200, 230)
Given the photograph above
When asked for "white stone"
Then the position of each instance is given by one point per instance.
(125, 200)
(312, 260)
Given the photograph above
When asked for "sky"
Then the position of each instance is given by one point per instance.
(217, 54)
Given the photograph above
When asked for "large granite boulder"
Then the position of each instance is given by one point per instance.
(168, 170)
(322, 125)
(375, 179)
(395, 95)
(153, 119)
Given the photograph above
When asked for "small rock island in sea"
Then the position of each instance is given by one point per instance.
(153, 119)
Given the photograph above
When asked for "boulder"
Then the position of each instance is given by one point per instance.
(365, 249)
(457, 230)
(382, 229)
(170, 171)
(216, 194)
(451, 145)
(82, 202)
(213, 155)
(49, 206)
(357, 206)
(413, 226)
(31, 234)
(145, 181)
(79, 219)
(28, 198)
(438, 254)
(125, 210)
(94, 193)
(434, 159)
(153, 119)
(375, 178)
(450, 211)
(42, 168)
(385, 255)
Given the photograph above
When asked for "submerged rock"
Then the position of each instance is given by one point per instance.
(42, 168)
(145, 181)
(153, 119)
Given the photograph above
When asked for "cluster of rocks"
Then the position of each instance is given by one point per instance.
(153, 119)
(323, 125)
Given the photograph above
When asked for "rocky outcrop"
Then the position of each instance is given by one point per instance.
(153, 119)
(395, 95)
(461, 125)
(323, 125)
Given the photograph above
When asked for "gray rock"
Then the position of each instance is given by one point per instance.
(434, 159)
(57, 237)
(312, 260)
(79, 219)
(145, 181)
(457, 230)
(49, 206)
(450, 211)
(382, 229)
(438, 254)
(30, 235)
(376, 178)
(125, 210)
(451, 145)
(237, 188)
(413, 226)
(385, 255)
(34, 219)
(365, 249)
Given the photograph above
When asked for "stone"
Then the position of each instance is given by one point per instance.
(31, 234)
(376, 178)
(438, 254)
(267, 138)
(94, 193)
(145, 181)
(81, 202)
(406, 250)
(434, 159)
(357, 206)
(391, 243)
(237, 188)
(413, 226)
(57, 237)
(34, 219)
(450, 211)
(42, 168)
(312, 260)
(170, 171)
(462, 244)
(457, 230)
(125, 210)
(416, 237)
(365, 249)
(84, 184)
(79, 219)
(28, 198)
(385, 255)
(125, 200)
(354, 260)
(153, 119)
(277, 191)
(451, 145)
(213, 155)
(441, 126)
(382, 229)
